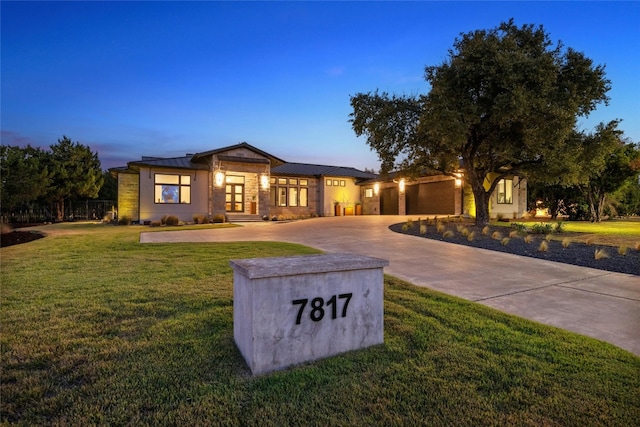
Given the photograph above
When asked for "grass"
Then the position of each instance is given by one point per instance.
(96, 328)
(609, 233)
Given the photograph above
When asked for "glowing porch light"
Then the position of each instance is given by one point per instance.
(458, 182)
(218, 178)
(376, 188)
(264, 181)
(401, 184)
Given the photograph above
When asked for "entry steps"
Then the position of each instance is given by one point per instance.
(243, 218)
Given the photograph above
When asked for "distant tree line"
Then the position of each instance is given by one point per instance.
(67, 171)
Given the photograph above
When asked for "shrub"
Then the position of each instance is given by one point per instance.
(544, 246)
(155, 224)
(496, 235)
(440, 227)
(622, 250)
(172, 220)
(124, 220)
(559, 227)
(486, 230)
(542, 228)
(589, 241)
(409, 223)
(447, 233)
(423, 229)
(528, 238)
(471, 236)
(600, 254)
(519, 228)
(465, 231)
(566, 242)
(505, 241)
(200, 219)
(405, 226)
(219, 218)
(163, 220)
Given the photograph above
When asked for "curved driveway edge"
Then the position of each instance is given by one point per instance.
(591, 302)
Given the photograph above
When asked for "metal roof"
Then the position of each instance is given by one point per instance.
(304, 169)
(173, 162)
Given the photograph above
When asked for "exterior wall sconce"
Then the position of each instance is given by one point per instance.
(264, 181)
(458, 180)
(401, 185)
(218, 178)
(376, 188)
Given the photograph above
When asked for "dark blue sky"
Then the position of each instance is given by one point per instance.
(167, 78)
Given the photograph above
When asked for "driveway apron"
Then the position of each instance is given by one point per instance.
(595, 303)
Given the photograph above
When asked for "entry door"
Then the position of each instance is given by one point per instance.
(234, 198)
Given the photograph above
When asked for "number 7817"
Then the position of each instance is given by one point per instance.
(318, 307)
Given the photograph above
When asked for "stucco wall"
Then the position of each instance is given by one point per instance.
(516, 209)
(150, 210)
(347, 195)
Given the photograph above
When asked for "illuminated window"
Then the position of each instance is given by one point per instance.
(368, 192)
(293, 196)
(292, 192)
(329, 182)
(505, 191)
(343, 183)
(304, 196)
(172, 188)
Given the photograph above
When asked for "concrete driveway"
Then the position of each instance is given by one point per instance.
(591, 302)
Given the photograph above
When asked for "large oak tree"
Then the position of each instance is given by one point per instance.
(503, 102)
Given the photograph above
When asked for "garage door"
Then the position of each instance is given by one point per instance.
(436, 198)
(389, 201)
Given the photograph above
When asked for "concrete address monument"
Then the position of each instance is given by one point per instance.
(290, 310)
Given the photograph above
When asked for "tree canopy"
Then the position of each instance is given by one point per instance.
(503, 103)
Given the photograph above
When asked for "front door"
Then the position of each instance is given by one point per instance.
(234, 198)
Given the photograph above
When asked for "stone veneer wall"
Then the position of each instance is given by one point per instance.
(128, 196)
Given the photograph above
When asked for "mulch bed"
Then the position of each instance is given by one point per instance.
(17, 237)
(576, 253)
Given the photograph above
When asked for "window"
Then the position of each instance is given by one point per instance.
(282, 196)
(368, 192)
(304, 196)
(329, 183)
(172, 188)
(343, 183)
(505, 191)
(293, 196)
(292, 192)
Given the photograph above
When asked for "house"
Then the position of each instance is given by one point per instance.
(242, 182)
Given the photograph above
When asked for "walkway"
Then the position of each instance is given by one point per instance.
(595, 303)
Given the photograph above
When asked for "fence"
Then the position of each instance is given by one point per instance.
(84, 210)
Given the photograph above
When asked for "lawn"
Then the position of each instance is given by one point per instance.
(624, 232)
(98, 329)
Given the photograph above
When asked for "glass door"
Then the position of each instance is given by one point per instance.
(234, 198)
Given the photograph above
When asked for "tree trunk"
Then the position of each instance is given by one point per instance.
(59, 209)
(482, 208)
(481, 198)
(596, 201)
